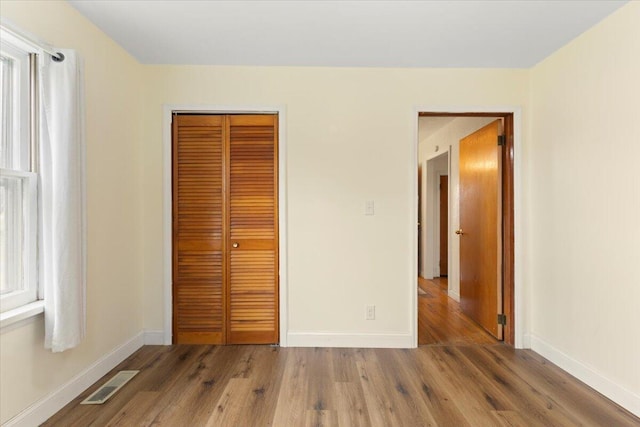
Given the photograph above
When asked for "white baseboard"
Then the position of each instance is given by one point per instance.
(526, 341)
(154, 337)
(454, 295)
(623, 397)
(43, 409)
(352, 340)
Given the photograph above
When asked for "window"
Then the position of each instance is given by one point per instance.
(18, 180)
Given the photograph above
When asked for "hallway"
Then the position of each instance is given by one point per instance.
(440, 319)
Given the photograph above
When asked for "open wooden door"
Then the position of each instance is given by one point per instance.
(481, 227)
(444, 225)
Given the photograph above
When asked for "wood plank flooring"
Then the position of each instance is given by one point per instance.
(462, 377)
(440, 319)
(438, 385)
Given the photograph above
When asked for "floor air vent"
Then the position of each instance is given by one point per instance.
(109, 388)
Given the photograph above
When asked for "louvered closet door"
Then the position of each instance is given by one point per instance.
(252, 306)
(198, 238)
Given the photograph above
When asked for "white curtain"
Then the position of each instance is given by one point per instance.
(62, 234)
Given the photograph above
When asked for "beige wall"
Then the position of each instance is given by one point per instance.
(114, 288)
(584, 200)
(339, 259)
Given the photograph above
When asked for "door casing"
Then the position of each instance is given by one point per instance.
(431, 215)
(168, 110)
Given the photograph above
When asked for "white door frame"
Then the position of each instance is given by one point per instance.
(438, 221)
(518, 291)
(433, 214)
(168, 110)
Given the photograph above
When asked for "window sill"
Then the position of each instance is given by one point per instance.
(28, 311)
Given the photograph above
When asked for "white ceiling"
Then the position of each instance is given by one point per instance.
(472, 33)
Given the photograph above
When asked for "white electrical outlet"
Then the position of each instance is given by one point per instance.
(371, 312)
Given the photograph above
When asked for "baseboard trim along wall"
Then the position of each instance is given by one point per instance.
(526, 341)
(455, 296)
(43, 409)
(154, 337)
(623, 397)
(330, 339)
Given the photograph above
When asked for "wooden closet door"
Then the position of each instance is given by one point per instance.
(198, 234)
(252, 261)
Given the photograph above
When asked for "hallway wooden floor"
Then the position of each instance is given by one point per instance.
(435, 385)
(440, 319)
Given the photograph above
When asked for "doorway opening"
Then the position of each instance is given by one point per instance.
(455, 235)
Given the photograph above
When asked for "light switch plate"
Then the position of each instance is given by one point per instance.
(371, 312)
(369, 207)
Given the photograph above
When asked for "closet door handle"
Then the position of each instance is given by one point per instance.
(236, 245)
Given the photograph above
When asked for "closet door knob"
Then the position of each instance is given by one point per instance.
(459, 232)
(235, 245)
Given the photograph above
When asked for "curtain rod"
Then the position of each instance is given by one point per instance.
(56, 56)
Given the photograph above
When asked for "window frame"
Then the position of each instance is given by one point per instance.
(29, 291)
(24, 130)
(20, 128)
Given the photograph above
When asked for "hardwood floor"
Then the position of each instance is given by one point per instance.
(462, 377)
(441, 385)
(440, 319)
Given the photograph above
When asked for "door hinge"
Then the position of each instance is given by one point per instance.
(502, 319)
(502, 139)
